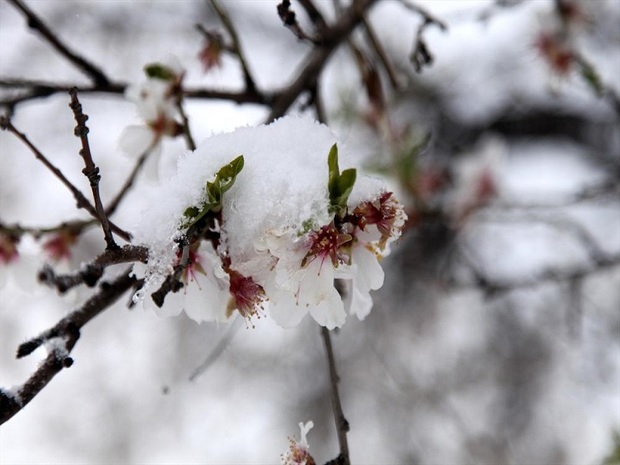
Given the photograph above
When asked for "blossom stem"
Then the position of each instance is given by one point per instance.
(342, 425)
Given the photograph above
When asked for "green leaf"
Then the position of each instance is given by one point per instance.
(214, 191)
(339, 185)
(159, 71)
(228, 173)
(345, 186)
(332, 164)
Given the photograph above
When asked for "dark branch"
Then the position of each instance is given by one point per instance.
(342, 425)
(250, 85)
(91, 171)
(38, 89)
(374, 42)
(494, 288)
(82, 201)
(289, 19)
(61, 339)
(92, 272)
(315, 15)
(34, 22)
(308, 76)
(421, 55)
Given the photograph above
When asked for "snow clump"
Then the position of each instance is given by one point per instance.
(262, 220)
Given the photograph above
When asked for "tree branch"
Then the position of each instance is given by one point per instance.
(421, 56)
(250, 85)
(60, 341)
(82, 201)
(39, 89)
(91, 171)
(34, 22)
(308, 76)
(90, 273)
(342, 425)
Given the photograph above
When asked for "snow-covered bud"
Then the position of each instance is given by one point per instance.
(280, 223)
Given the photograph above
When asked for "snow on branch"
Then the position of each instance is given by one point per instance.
(59, 341)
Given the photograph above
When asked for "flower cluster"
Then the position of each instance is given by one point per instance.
(299, 451)
(272, 230)
(156, 103)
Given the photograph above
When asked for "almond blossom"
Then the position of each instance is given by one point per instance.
(279, 227)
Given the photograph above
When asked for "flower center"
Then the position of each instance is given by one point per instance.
(327, 243)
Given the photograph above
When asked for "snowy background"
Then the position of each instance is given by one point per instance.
(440, 372)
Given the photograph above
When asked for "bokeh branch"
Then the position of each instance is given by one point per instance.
(34, 22)
(307, 78)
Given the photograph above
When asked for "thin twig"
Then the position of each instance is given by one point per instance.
(250, 85)
(315, 15)
(92, 272)
(82, 201)
(34, 22)
(428, 17)
(219, 348)
(91, 171)
(494, 288)
(375, 43)
(289, 19)
(308, 76)
(421, 56)
(39, 89)
(76, 226)
(19, 230)
(66, 332)
(187, 133)
(342, 425)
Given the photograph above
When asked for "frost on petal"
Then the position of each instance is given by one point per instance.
(136, 140)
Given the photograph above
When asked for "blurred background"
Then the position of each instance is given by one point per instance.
(496, 336)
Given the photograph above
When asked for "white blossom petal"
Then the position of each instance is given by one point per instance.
(136, 140)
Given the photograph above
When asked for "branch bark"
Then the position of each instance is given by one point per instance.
(34, 22)
(82, 201)
(307, 78)
(342, 425)
(61, 338)
(91, 171)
